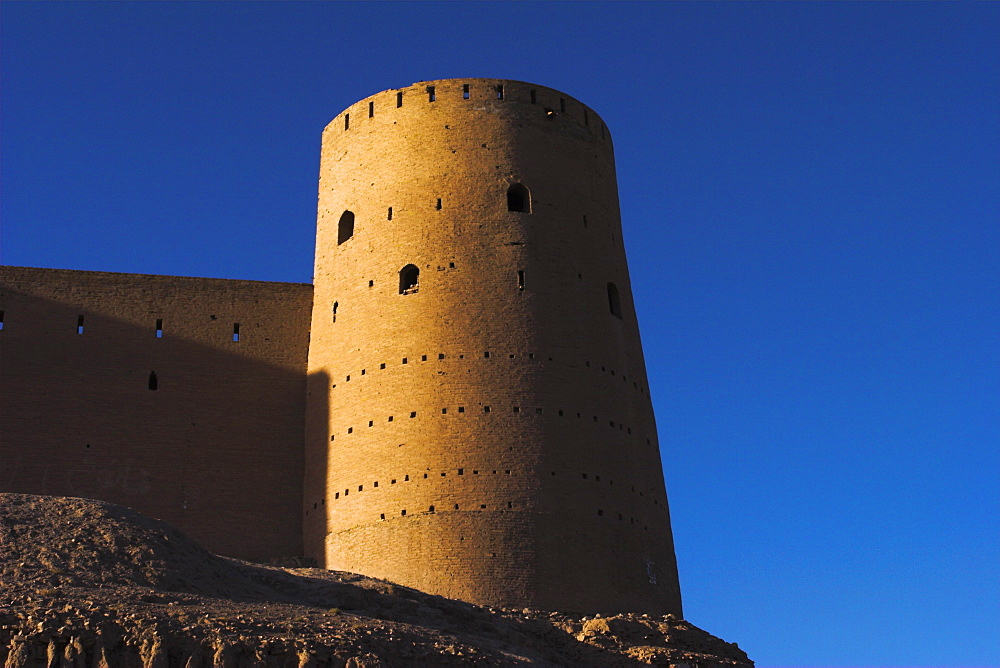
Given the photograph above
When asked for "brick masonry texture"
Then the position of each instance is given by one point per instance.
(215, 449)
(488, 436)
(466, 413)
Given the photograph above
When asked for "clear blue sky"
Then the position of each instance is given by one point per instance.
(811, 209)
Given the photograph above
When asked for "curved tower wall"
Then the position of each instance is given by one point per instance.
(488, 436)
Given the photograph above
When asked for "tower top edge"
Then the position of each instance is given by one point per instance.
(481, 89)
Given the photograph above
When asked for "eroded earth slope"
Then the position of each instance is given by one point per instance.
(89, 583)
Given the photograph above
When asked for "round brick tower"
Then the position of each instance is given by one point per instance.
(479, 421)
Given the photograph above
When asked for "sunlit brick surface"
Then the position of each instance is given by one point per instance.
(488, 436)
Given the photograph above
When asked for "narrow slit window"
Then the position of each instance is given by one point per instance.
(1, 319)
(465, 91)
(499, 91)
(389, 216)
(153, 382)
(518, 198)
(399, 99)
(586, 117)
(614, 301)
(438, 206)
(236, 331)
(534, 97)
(562, 105)
(333, 311)
(345, 228)
(409, 280)
(159, 328)
(79, 324)
(347, 121)
(431, 95)
(520, 280)
(371, 109)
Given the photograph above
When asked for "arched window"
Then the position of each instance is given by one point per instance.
(518, 198)
(614, 301)
(409, 279)
(345, 230)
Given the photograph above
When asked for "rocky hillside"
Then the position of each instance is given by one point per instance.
(88, 583)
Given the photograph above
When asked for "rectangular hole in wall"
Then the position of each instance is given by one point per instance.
(153, 381)
(499, 91)
(431, 95)
(399, 99)
(562, 105)
(236, 331)
(438, 207)
(465, 91)
(347, 121)
(534, 97)
(389, 217)
(79, 324)
(586, 117)
(371, 109)
(159, 328)
(1, 319)
(520, 279)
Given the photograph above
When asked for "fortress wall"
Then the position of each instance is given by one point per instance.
(506, 413)
(215, 449)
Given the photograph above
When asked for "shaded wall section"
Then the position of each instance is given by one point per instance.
(182, 398)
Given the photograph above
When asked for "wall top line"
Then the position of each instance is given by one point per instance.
(477, 91)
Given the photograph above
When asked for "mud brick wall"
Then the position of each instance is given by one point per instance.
(479, 423)
(182, 398)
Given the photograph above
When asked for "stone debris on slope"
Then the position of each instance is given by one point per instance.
(90, 583)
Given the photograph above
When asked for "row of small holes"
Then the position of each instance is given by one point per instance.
(510, 356)
(406, 478)
(157, 331)
(496, 91)
(514, 409)
(426, 476)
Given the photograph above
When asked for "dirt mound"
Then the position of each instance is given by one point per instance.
(60, 540)
(90, 583)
